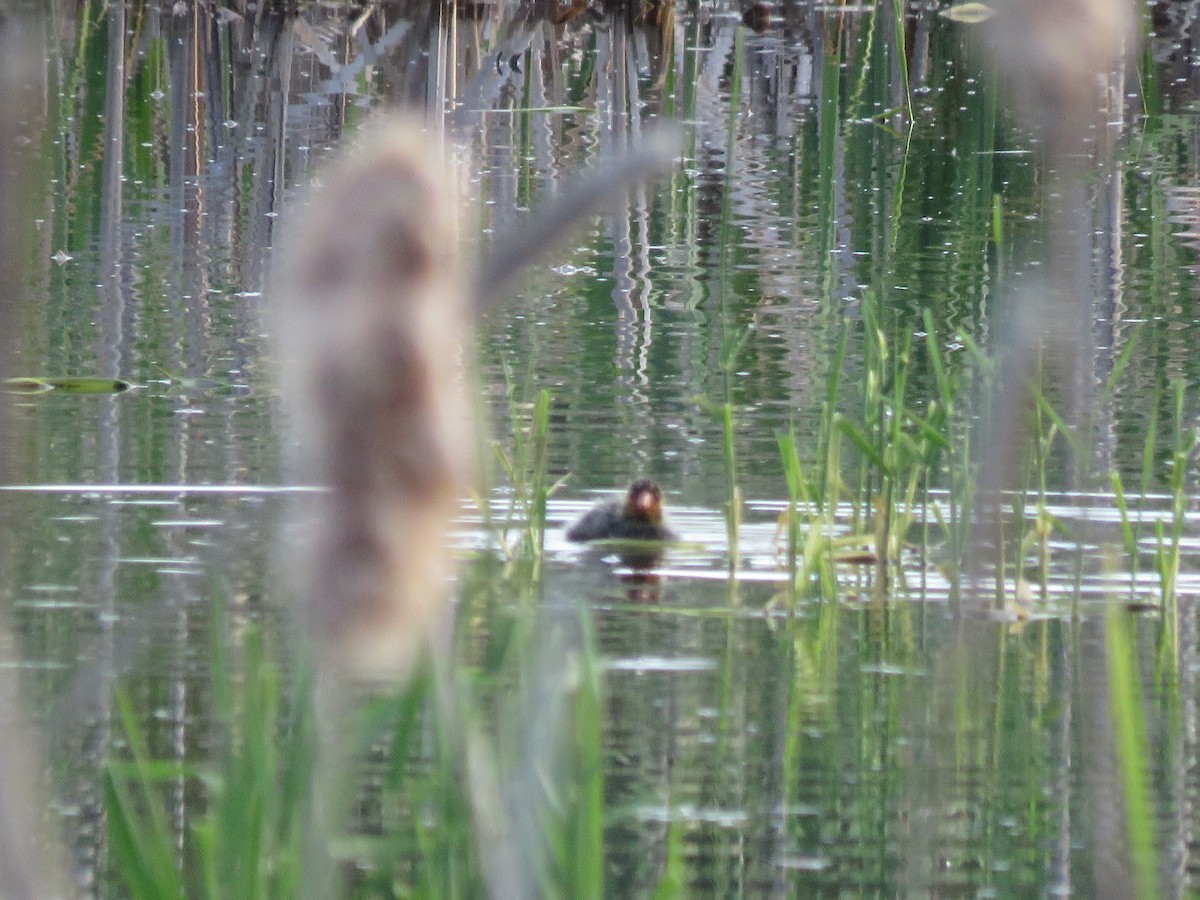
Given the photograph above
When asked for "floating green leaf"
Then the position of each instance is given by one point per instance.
(81, 384)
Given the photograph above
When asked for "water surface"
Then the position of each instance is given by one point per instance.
(885, 741)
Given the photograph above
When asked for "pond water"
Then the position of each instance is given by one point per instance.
(880, 741)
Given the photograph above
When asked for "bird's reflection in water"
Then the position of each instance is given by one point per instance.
(633, 564)
(643, 587)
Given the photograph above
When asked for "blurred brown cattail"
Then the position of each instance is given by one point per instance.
(1056, 56)
(372, 318)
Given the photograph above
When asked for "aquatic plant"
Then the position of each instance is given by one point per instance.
(250, 839)
(1169, 540)
(525, 464)
(420, 785)
(898, 449)
(1130, 737)
(810, 564)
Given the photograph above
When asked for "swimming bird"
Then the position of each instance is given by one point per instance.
(636, 517)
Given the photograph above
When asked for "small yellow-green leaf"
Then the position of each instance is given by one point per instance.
(968, 13)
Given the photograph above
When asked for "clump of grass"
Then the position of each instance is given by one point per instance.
(955, 526)
(1168, 535)
(1037, 539)
(731, 348)
(901, 452)
(249, 842)
(419, 775)
(898, 446)
(140, 836)
(828, 494)
(798, 492)
(811, 564)
(511, 808)
(1150, 441)
(896, 441)
(978, 377)
(525, 466)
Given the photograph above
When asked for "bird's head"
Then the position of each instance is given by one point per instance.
(644, 502)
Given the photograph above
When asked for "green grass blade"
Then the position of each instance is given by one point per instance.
(852, 431)
(1132, 749)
